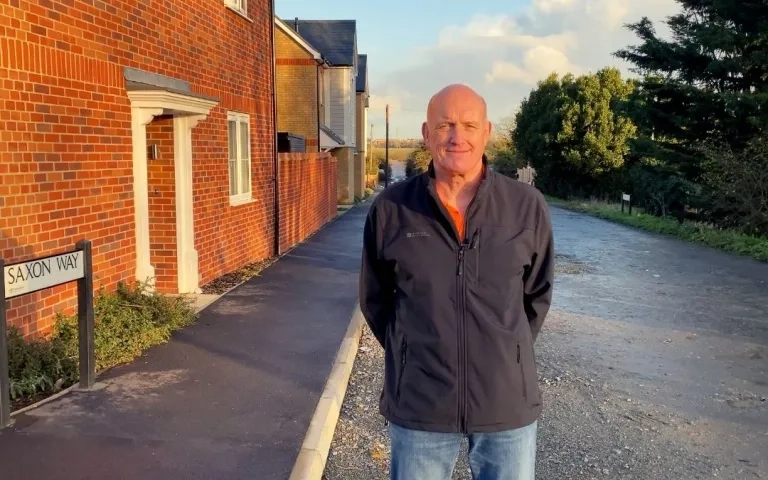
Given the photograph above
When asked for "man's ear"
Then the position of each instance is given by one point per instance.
(425, 132)
(489, 128)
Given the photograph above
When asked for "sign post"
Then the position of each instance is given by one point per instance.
(5, 382)
(33, 275)
(626, 198)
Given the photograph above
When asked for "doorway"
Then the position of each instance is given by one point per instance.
(166, 258)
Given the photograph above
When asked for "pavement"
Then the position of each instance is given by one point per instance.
(230, 397)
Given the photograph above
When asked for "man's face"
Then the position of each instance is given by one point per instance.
(457, 129)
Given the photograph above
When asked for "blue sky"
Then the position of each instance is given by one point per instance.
(499, 47)
(383, 30)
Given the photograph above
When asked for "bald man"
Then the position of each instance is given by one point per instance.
(455, 282)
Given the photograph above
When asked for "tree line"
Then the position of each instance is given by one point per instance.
(686, 138)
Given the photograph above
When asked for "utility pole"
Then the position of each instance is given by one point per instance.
(372, 161)
(386, 149)
(370, 144)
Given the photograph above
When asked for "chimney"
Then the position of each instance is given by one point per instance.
(296, 24)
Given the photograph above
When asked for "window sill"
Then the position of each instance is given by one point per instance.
(236, 202)
(239, 13)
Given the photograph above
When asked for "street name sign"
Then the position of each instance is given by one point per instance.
(41, 273)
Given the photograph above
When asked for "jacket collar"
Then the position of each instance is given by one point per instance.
(485, 183)
(431, 168)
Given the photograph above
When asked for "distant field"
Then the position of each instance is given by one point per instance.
(395, 154)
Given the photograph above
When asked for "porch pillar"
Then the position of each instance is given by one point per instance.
(187, 268)
(140, 117)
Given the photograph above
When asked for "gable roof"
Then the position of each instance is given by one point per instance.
(336, 39)
(285, 28)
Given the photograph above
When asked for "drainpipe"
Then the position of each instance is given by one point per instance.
(275, 161)
(317, 102)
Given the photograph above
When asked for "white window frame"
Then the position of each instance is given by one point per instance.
(240, 194)
(240, 6)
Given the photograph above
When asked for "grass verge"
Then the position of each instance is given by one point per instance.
(127, 322)
(696, 232)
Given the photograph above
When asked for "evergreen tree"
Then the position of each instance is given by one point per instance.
(709, 80)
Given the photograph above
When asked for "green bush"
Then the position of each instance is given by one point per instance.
(506, 162)
(126, 323)
(418, 161)
(38, 366)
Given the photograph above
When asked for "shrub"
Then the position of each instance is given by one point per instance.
(126, 323)
(418, 161)
(508, 163)
(737, 185)
(38, 366)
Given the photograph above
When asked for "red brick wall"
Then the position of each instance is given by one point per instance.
(65, 131)
(307, 195)
(161, 177)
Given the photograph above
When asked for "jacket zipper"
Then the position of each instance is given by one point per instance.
(464, 245)
(461, 421)
(522, 373)
(403, 351)
(460, 343)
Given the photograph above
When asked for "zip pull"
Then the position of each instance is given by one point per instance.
(518, 353)
(460, 265)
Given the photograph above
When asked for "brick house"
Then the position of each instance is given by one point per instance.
(149, 129)
(336, 40)
(303, 90)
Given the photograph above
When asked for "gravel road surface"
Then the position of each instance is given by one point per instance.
(653, 365)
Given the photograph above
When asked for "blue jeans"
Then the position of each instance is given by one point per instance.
(507, 455)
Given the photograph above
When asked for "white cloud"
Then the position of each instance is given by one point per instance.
(379, 102)
(611, 14)
(549, 6)
(538, 62)
(503, 56)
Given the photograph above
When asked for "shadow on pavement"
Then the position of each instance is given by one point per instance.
(229, 397)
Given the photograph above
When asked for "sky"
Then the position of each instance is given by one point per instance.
(500, 48)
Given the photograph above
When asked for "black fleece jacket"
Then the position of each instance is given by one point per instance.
(458, 317)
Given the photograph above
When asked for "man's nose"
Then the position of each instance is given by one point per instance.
(457, 136)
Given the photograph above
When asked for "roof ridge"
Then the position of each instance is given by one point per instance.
(334, 20)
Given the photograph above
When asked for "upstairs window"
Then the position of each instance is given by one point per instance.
(238, 126)
(237, 5)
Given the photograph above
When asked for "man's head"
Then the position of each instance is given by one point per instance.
(457, 129)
